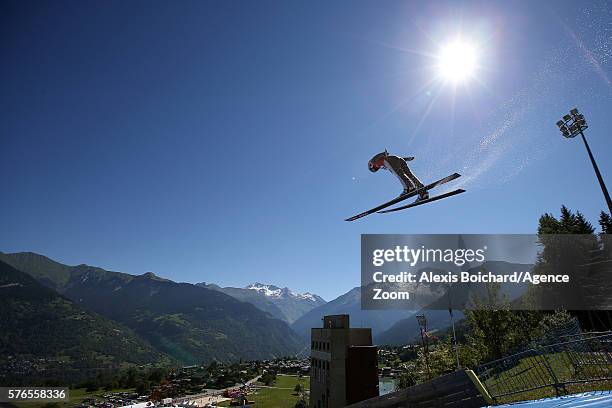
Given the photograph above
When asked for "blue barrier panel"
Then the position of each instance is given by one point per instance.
(596, 399)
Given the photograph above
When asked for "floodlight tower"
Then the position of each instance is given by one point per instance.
(572, 125)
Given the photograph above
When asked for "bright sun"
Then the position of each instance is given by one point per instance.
(457, 61)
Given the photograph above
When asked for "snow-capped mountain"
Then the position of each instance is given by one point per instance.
(276, 292)
(282, 303)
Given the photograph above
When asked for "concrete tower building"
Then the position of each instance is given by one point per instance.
(344, 364)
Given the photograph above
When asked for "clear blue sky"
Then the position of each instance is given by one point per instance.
(226, 141)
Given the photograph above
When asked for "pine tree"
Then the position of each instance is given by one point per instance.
(581, 225)
(548, 225)
(567, 221)
(605, 221)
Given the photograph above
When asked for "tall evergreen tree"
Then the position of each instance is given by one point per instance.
(605, 222)
(581, 225)
(548, 224)
(567, 221)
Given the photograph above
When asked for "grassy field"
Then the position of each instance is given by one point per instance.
(530, 372)
(76, 397)
(278, 395)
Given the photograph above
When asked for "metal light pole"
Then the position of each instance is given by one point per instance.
(450, 311)
(455, 339)
(423, 324)
(572, 125)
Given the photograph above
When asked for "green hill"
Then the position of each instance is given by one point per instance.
(45, 335)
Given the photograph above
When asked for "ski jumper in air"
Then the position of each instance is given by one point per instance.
(412, 185)
(398, 166)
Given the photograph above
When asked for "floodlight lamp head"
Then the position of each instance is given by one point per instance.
(574, 112)
(575, 127)
(564, 129)
(567, 117)
(569, 133)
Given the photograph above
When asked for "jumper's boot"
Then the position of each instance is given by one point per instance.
(407, 190)
(423, 195)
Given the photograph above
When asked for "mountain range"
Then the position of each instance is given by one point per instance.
(282, 303)
(190, 323)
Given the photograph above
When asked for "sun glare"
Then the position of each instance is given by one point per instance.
(457, 61)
